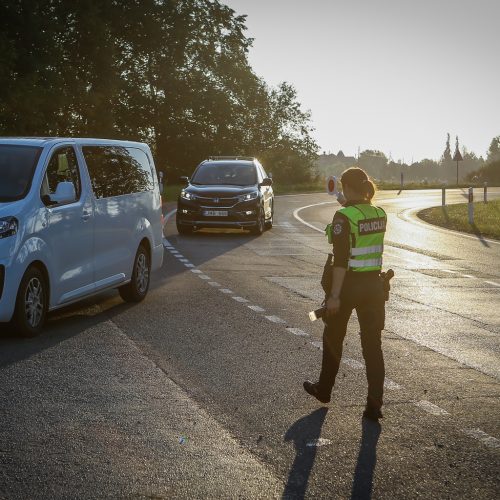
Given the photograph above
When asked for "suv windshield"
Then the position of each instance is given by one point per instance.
(17, 164)
(234, 174)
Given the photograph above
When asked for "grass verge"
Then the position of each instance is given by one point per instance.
(486, 218)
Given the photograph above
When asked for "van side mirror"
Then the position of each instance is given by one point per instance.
(65, 193)
(184, 179)
(267, 182)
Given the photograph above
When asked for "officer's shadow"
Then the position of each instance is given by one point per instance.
(304, 433)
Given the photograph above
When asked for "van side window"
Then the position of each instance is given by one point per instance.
(116, 170)
(62, 168)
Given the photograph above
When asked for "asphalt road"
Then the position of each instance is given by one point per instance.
(197, 392)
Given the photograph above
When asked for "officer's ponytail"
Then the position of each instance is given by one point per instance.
(357, 180)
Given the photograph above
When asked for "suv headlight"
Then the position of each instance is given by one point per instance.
(8, 227)
(187, 196)
(249, 196)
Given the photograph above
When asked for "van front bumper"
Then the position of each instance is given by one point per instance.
(9, 283)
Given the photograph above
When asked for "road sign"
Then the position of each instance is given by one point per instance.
(332, 185)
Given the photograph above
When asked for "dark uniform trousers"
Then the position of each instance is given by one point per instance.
(364, 293)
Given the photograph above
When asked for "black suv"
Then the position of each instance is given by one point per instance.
(224, 191)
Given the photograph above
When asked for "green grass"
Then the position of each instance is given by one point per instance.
(171, 192)
(486, 218)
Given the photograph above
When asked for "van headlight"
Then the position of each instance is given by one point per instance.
(8, 227)
(249, 196)
(187, 196)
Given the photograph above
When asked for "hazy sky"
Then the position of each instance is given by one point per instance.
(394, 75)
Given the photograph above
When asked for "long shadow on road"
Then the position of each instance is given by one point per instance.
(304, 433)
(367, 459)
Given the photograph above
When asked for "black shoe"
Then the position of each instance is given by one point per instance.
(372, 413)
(313, 390)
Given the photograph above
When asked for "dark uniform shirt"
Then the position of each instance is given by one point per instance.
(341, 232)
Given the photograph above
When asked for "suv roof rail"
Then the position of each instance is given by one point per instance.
(246, 158)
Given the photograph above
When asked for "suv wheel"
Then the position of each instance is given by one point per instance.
(31, 304)
(137, 289)
(258, 229)
(269, 222)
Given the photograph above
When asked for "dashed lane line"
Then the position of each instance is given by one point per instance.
(257, 309)
(275, 319)
(431, 408)
(225, 290)
(239, 299)
(484, 438)
(214, 283)
(317, 344)
(315, 443)
(492, 283)
(189, 265)
(297, 331)
(204, 277)
(353, 363)
(196, 271)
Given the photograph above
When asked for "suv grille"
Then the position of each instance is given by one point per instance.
(216, 201)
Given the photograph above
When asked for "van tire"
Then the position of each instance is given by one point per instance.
(137, 289)
(31, 304)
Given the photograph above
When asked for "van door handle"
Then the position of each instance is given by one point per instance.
(86, 215)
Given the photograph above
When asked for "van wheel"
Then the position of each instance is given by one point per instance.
(31, 304)
(137, 289)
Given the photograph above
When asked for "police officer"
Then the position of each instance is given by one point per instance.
(358, 230)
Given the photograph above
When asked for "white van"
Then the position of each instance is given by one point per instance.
(77, 216)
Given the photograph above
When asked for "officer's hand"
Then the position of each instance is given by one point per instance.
(332, 306)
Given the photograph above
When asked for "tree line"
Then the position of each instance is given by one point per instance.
(172, 73)
(444, 170)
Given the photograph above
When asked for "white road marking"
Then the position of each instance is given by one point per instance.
(430, 408)
(298, 332)
(204, 277)
(184, 260)
(214, 283)
(492, 283)
(318, 345)
(240, 299)
(468, 276)
(353, 363)
(225, 290)
(196, 271)
(318, 442)
(296, 214)
(189, 265)
(257, 309)
(275, 319)
(391, 385)
(449, 271)
(486, 439)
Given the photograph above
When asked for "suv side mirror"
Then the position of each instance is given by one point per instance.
(267, 182)
(65, 193)
(184, 178)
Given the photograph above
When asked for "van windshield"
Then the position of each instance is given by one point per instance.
(17, 164)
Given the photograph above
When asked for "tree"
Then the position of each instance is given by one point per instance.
(494, 149)
(172, 73)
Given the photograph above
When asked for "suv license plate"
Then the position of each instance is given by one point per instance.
(215, 213)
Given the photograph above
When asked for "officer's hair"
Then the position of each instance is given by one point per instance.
(357, 179)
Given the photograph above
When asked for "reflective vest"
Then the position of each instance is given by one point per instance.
(368, 224)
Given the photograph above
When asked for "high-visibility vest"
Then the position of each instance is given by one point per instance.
(367, 223)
